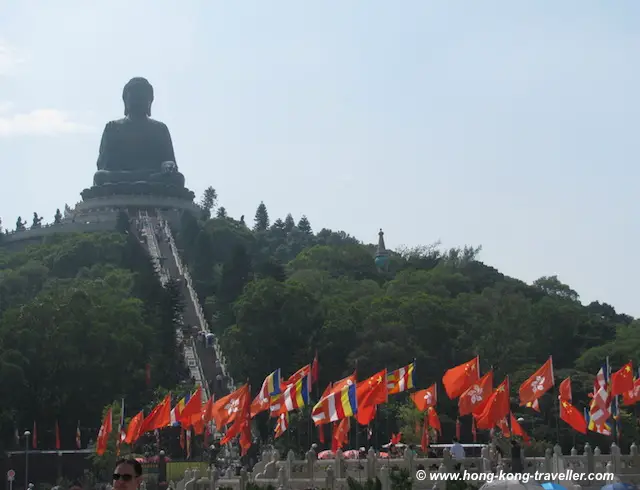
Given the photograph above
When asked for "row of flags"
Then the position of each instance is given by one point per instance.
(58, 444)
(349, 400)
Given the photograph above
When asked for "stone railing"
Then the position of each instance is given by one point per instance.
(203, 324)
(333, 473)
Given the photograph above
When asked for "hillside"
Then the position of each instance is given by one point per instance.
(278, 292)
(82, 315)
(80, 318)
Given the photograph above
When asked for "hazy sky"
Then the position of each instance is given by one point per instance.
(505, 124)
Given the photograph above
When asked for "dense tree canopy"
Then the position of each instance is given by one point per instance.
(80, 317)
(277, 294)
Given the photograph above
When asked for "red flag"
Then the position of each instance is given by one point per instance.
(57, 436)
(105, 431)
(340, 435)
(159, 417)
(475, 397)
(369, 393)
(632, 397)
(458, 429)
(423, 399)
(434, 420)
(133, 430)
(573, 417)
(565, 390)
(424, 441)
(497, 407)
(622, 380)
(457, 379)
(517, 430)
(474, 432)
(537, 384)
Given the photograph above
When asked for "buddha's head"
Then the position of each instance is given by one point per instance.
(137, 96)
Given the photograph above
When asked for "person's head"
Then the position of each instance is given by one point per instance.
(127, 475)
(455, 440)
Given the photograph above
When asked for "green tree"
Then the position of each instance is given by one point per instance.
(261, 221)
(304, 226)
(289, 223)
(209, 201)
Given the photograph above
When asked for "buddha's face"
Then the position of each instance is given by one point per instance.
(138, 99)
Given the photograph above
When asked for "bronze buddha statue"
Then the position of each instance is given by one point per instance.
(137, 149)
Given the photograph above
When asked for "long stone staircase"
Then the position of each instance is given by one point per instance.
(146, 226)
(201, 349)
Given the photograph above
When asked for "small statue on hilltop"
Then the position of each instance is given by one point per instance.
(37, 221)
(20, 225)
(57, 218)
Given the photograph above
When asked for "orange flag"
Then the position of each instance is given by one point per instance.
(632, 397)
(565, 390)
(517, 430)
(622, 380)
(497, 407)
(538, 384)
(426, 398)
(573, 417)
(103, 435)
(475, 397)
(457, 379)
(227, 408)
(133, 429)
(159, 417)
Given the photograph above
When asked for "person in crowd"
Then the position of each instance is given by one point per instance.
(516, 457)
(127, 475)
(457, 451)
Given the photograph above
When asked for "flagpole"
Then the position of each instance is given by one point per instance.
(556, 401)
(614, 429)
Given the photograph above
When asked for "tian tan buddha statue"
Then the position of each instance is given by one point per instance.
(136, 152)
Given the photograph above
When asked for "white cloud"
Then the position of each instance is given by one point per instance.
(10, 59)
(40, 122)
